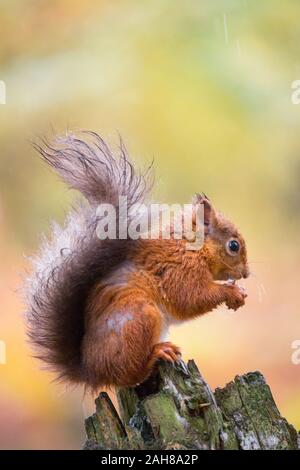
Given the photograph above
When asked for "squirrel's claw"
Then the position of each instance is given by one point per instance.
(167, 351)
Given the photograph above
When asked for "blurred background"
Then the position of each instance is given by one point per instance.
(205, 89)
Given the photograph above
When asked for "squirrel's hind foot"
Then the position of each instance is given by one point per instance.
(166, 351)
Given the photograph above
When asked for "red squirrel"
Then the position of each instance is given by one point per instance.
(98, 310)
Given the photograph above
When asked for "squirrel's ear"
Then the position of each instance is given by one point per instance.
(208, 210)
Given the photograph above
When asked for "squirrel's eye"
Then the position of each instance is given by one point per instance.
(233, 247)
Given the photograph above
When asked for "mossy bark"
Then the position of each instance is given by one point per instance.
(176, 409)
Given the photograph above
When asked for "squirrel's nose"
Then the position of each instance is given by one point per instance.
(246, 272)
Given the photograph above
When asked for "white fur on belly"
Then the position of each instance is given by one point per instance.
(164, 335)
(168, 320)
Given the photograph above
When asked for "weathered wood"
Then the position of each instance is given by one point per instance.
(105, 427)
(249, 404)
(176, 409)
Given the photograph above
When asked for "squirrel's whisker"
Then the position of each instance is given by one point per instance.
(260, 287)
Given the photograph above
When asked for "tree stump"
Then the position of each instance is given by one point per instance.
(176, 409)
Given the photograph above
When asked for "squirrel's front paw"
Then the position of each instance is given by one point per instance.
(236, 297)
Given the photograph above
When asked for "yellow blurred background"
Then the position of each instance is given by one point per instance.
(205, 89)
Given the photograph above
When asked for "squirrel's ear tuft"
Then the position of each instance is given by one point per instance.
(208, 210)
(209, 215)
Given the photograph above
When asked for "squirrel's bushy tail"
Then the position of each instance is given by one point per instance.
(86, 163)
(74, 258)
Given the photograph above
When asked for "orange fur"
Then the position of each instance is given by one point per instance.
(162, 283)
(98, 310)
